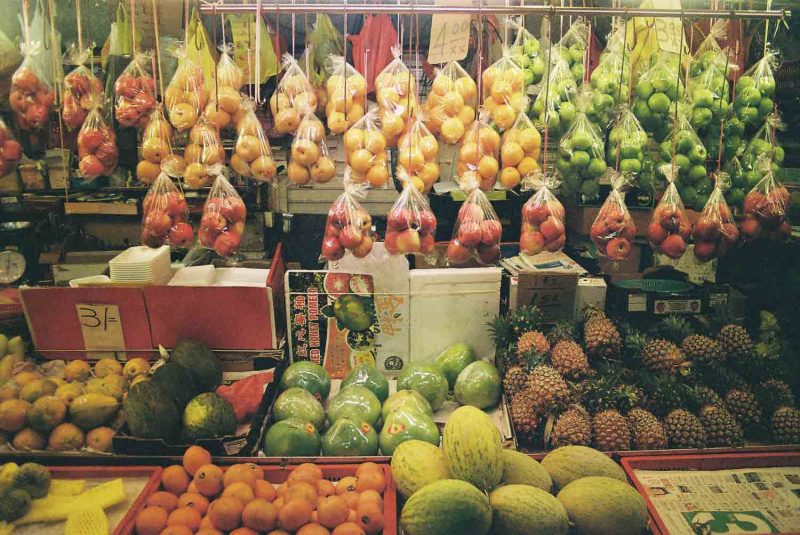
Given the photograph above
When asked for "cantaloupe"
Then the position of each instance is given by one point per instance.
(600, 505)
(522, 509)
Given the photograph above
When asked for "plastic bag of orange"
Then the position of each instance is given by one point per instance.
(185, 97)
(715, 230)
(293, 98)
(365, 152)
(504, 91)
(165, 215)
(395, 90)
(542, 217)
(225, 103)
(613, 230)
(669, 229)
(450, 106)
(520, 149)
(32, 94)
(134, 89)
(347, 95)
(156, 150)
(476, 232)
(224, 214)
(97, 145)
(477, 161)
(81, 87)
(204, 154)
(10, 150)
(252, 155)
(411, 224)
(765, 209)
(309, 159)
(349, 225)
(417, 156)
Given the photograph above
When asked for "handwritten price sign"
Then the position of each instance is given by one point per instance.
(101, 326)
(449, 39)
(669, 30)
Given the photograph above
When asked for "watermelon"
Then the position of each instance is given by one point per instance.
(355, 402)
(208, 415)
(453, 360)
(347, 437)
(415, 464)
(428, 380)
(298, 403)
(308, 376)
(407, 424)
(405, 398)
(447, 507)
(473, 449)
(292, 438)
(478, 385)
(369, 376)
(522, 509)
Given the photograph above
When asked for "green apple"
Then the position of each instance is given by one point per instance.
(696, 173)
(659, 103)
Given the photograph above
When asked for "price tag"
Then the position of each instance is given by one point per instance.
(669, 31)
(101, 326)
(553, 293)
(449, 39)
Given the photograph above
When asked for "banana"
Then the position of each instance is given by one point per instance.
(6, 368)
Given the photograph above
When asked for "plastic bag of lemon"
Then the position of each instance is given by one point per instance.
(309, 159)
(203, 152)
(520, 148)
(347, 95)
(252, 156)
(417, 155)
(450, 106)
(293, 98)
(504, 90)
(478, 157)
(365, 152)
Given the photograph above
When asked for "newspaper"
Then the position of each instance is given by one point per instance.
(744, 500)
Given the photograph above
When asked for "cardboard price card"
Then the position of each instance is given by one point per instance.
(101, 326)
(449, 39)
(554, 293)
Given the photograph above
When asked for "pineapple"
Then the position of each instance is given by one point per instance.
(646, 431)
(572, 428)
(774, 393)
(722, 429)
(550, 390)
(684, 430)
(674, 328)
(514, 381)
(610, 431)
(563, 330)
(705, 396)
(786, 425)
(699, 348)
(661, 355)
(569, 359)
(533, 341)
(742, 404)
(524, 415)
(600, 336)
(735, 341)
(634, 343)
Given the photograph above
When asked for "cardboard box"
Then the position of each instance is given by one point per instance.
(698, 272)
(648, 298)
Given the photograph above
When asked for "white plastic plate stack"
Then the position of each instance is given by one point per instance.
(142, 264)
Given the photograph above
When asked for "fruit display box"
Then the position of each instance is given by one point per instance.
(764, 488)
(648, 298)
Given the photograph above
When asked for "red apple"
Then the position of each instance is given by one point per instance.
(181, 235)
(557, 209)
(751, 228)
(350, 237)
(332, 249)
(706, 230)
(705, 250)
(233, 210)
(207, 237)
(363, 248)
(91, 138)
(656, 234)
(491, 229)
(176, 204)
(730, 233)
(331, 230)
(390, 242)
(470, 212)
(151, 240)
(408, 241)
(107, 153)
(599, 230)
(488, 254)
(753, 202)
(11, 150)
(628, 231)
(456, 252)
(399, 219)
(535, 213)
(213, 222)
(227, 244)
(673, 246)
(469, 233)
(557, 244)
(427, 222)
(90, 167)
(427, 244)
(158, 222)
(618, 248)
(551, 229)
(531, 243)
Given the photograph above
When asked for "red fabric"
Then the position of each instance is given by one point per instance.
(375, 42)
(245, 394)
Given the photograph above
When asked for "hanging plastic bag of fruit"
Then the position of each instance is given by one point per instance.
(478, 157)
(655, 95)
(309, 159)
(417, 155)
(224, 214)
(572, 48)
(542, 216)
(504, 91)
(165, 215)
(627, 144)
(669, 229)
(81, 88)
(732, 137)
(32, 93)
(201, 51)
(293, 98)
(690, 159)
(610, 80)
(739, 184)
(613, 230)
(252, 156)
(97, 145)
(450, 106)
(411, 224)
(554, 107)
(708, 82)
(156, 152)
(134, 90)
(765, 208)
(520, 149)
(764, 145)
(225, 101)
(185, 97)
(365, 152)
(754, 91)
(715, 230)
(347, 95)
(477, 230)
(396, 94)
(315, 77)
(203, 154)
(525, 51)
(581, 155)
(349, 225)
(10, 149)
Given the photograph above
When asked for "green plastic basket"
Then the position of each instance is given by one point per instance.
(655, 285)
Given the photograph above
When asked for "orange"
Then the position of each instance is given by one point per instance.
(370, 496)
(429, 147)
(226, 513)
(260, 515)
(527, 165)
(243, 531)
(278, 532)
(503, 116)
(370, 517)
(378, 176)
(278, 503)
(185, 516)
(192, 488)
(303, 490)
(241, 491)
(313, 529)
(194, 500)
(195, 457)
(163, 499)
(452, 102)
(241, 473)
(346, 484)
(411, 159)
(361, 160)
(314, 473)
(509, 177)
(326, 488)
(466, 86)
(348, 528)
(282, 488)
(467, 115)
(468, 153)
(511, 154)
(354, 139)
(178, 529)
(264, 489)
(374, 141)
(351, 497)
(488, 167)
(151, 520)
(371, 480)
(332, 511)
(257, 470)
(351, 516)
(208, 531)
(295, 514)
(174, 479)
(452, 129)
(209, 480)
(368, 467)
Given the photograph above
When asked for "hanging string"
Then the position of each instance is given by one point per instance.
(344, 63)
(216, 78)
(57, 87)
(677, 86)
(133, 28)
(55, 52)
(479, 74)
(293, 25)
(250, 72)
(619, 95)
(186, 21)
(721, 117)
(25, 22)
(549, 60)
(158, 47)
(80, 29)
(259, 7)
(587, 52)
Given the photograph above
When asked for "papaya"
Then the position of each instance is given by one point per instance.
(13, 415)
(77, 370)
(100, 439)
(68, 392)
(93, 410)
(208, 415)
(28, 439)
(108, 366)
(36, 389)
(47, 412)
(66, 437)
(134, 367)
(111, 385)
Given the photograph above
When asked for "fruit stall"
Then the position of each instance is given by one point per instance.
(417, 268)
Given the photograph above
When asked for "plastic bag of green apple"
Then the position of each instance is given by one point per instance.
(554, 107)
(754, 91)
(349, 225)
(739, 186)
(477, 162)
(581, 152)
(765, 209)
(627, 142)
(669, 229)
(732, 134)
(504, 90)
(572, 48)
(410, 224)
(708, 83)
(542, 216)
(690, 157)
(222, 223)
(520, 148)
(450, 106)
(715, 230)
(655, 95)
(525, 51)
(610, 80)
(613, 230)
(763, 146)
(476, 232)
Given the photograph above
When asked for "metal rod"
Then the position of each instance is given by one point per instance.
(407, 9)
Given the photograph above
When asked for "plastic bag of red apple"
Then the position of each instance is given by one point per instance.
(715, 230)
(504, 91)
(365, 152)
(81, 89)
(478, 157)
(450, 106)
(222, 223)
(32, 96)
(185, 96)
(396, 94)
(135, 93)
(293, 98)
(252, 155)
(10, 149)
(418, 154)
(97, 145)
(165, 215)
(669, 229)
(156, 150)
(765, 209)
(613, 230)
(347, 95)
(411, 224)
(476, 233)
(203, 154)
(349, 225)
(309, 159)
(542, 217)
(520, 149)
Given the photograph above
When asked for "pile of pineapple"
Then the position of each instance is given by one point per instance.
(681, 384)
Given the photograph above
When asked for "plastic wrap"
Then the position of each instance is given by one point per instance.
(476, 233)
(450, 106)
(252, 155)
(10, 149)
(165, 215)
(97, 145)
(365, 152)
(765, 209)
(708, 84)
(156, 151)
(627, 141)
(347, 95)
(396, 94)
(32, 95)
(134, 90)
(417, 156)
(349, 225)
(669, 229)
(739, 183)
(656, 94)
(613, 230)
(554, 107)
(477, 163)
(410, 225)
(504, 91)
(755, 90)
(690, 162)
(763, 146)
(732, 139)
(222, 223)
(542, 217)
(293, 98)
(309, 160)
(715, 230)
(226, 101)
(203, 155)
(520, 148)
(525, 51)
(581, 153)
(610, 80)
(185, 97)
(572, 47)
(81, 88)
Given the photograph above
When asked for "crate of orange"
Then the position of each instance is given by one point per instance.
(201, 497)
